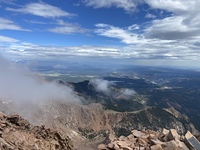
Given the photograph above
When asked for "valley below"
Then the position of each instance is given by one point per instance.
(116, 104)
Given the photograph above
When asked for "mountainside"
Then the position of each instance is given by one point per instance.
(92, 123)
(113, 106)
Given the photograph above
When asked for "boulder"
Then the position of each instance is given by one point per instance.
(102, 147)
(132, 138)
(163, 134)
(142, 142)
(181, 145)
(137, 133)
(156, 147)
(150, 140)
(123, 138)
(172, 135)
(110, 146)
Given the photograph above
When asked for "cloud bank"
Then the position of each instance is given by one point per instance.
(19, 85)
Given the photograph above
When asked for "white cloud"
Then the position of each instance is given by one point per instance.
(31, 51)
(171, 28)
(19, 85)
(152, 52)
(42, 10)
(101, 85)
(5, 39)
(127, 5)
(182, 24)
(124, 35)
(6, 24)
(174, 36)
(148, 15)
(134, 27)
(68, 28)
(128, 92)
(176, 6)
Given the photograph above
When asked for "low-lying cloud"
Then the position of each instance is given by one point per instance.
(19, 85)
(128, 92)
(101, 85)
(106, 87)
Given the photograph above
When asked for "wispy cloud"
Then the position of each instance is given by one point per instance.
(148, 15)
(128, 5)
(31, 51)
(174, 53)
(5, 39)
(6, 24)
(67, 28)
(173, 37)
(42, 10)
(119, 33)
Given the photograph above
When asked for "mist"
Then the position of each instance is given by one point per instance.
(128, 92)
(19, 85)
(101, 85)
(106, 87)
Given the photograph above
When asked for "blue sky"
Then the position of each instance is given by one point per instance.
(147, 32)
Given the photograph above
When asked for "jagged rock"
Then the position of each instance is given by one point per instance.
(142, 142)
(132, 138)
(162, 136)
(123, 143)
(172, 135)
(111, 146)
(139, 148)
(172, 145)
(137, 133)
(123, 138)
(181, 145)
(149, 140)
(156, 147)
(109, 139)
(126, 148)
(18, 133)
(116, 147)
(102, 147)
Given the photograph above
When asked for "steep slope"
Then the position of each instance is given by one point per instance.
(92, 122)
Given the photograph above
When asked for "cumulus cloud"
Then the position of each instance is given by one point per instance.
(42, 10)
(182, 24)
(101, 85)
(19, 85)
(171, 36)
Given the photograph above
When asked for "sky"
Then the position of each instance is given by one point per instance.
(135, 32)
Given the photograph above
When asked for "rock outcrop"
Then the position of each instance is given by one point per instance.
(17, 133)
(151, 140)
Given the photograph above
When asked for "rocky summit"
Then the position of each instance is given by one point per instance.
(17, 133)
(151, 140)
